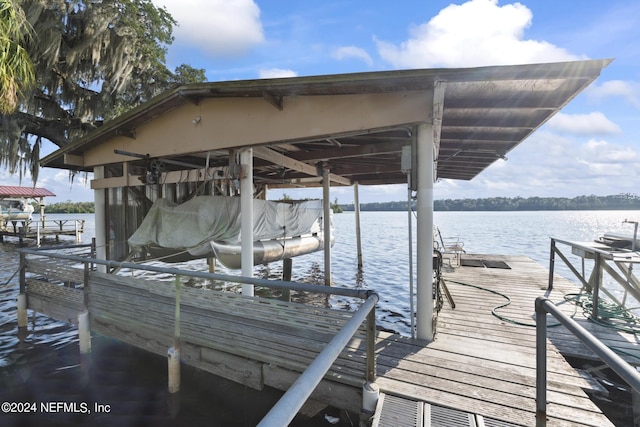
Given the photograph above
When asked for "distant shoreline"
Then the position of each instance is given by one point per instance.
(491, 204)
(505, 204)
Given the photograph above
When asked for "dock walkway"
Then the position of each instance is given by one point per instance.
(38, 230)
(479, 364)
(484, 365)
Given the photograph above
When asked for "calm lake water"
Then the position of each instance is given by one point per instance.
(46, 366)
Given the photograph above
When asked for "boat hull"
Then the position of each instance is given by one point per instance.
(267, 251)
(230, 255)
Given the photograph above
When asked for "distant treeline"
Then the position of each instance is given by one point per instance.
(613, 202)
(67, 207)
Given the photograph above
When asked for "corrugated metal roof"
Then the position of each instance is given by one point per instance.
(483, 113)
(15, 191)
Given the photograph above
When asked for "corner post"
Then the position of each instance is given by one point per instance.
(246, 217)
(552, 262)
(100, 202)
(425, 172)
(541, 363)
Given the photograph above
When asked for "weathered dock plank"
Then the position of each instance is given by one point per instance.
(478, 363)
(482, 364)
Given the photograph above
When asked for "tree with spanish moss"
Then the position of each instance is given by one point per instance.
(93, 60)
(16, 69)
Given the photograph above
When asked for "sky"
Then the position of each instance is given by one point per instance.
(590, 147)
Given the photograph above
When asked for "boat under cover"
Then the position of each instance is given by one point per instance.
(209, 226)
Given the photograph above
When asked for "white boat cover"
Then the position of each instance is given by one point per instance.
(190, 226)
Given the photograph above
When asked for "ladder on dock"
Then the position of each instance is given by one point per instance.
(393, 411)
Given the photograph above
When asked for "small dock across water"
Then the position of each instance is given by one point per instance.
(480, 367)
(38, 230)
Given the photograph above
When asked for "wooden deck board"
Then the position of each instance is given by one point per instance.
(478, 363)
(482, 364)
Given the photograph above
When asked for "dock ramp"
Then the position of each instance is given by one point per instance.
(393, 411)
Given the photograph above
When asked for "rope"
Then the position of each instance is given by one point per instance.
(610, 315)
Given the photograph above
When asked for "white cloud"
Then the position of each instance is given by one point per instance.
(217, 27)
(603, 152)
(628, 90)
(594, 123)
(347, 52)
(475, 33)
(57, 181)
(274, 73)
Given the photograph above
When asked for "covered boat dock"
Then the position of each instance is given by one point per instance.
(240, 139)
(21, 225)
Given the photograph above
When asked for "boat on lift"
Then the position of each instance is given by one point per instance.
(15, 209)
(209, 227)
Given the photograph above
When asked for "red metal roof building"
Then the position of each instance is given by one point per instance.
(15, 191)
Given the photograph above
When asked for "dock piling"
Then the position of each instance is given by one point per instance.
(23, 319)
(84, 332)
(173, 355)
(370, 395)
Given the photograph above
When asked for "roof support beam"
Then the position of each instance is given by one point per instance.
(275, 100)
(345, 152)
(276, 158)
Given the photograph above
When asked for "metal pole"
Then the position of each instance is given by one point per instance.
(100, 219)
(541, 366)
(246, 217)
(425, 172)
(627, 372)
(327, 225)
(356, 208)
(268, 283)
(411, 293)
(290, 403)
(371, 346)
(552, 261)
(597, 268)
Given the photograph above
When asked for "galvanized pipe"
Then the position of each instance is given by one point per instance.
(356, 209)
(246, 217)
(552, 263)
(424, 246)
(326, 217)
(277, 284)
(290, 403)
(541, 365)
(615, 362)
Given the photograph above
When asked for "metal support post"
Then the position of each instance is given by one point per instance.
(327, 225)
(597, 270)
(552, 262)
(356, 209)
(246, 219)
(541, 366)
(100, 219)
(425, 166)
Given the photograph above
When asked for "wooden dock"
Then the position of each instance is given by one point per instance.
(38, 230)
(483, 365)
(478, 365)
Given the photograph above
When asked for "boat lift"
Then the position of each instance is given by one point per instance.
(613, 254)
